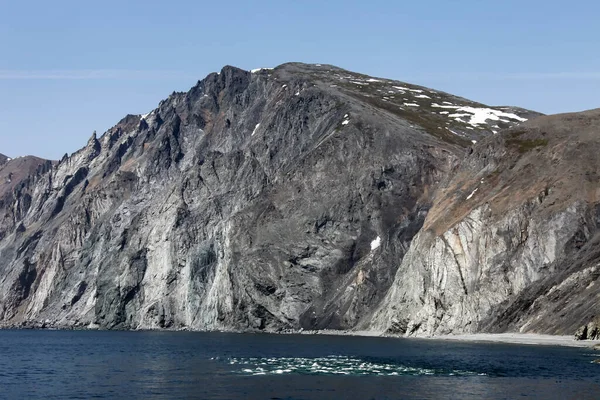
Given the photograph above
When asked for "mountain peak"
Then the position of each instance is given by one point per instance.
(303, 196)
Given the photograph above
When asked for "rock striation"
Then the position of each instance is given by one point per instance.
(510, 243)
(310, 197)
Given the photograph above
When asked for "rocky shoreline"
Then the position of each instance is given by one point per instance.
(508, 338)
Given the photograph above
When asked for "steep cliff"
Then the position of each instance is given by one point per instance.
(511, 241)
(305, 196)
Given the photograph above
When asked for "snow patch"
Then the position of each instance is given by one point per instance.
(373, 80)
(439, 106)
(480, 115)
(375, 243)
(346, 122)
(408, 89)
(255, 129)
(472, 193)
(411, 104)
(422, 96)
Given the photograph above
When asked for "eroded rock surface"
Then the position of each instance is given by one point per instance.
(511, 242)
(309, 197)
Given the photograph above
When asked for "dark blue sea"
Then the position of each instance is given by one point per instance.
(182, 365)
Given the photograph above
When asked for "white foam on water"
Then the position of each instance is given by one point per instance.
(336, 365)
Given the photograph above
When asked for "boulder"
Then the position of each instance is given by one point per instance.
(591, 331)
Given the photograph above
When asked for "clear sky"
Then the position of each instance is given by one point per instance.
(68, 68)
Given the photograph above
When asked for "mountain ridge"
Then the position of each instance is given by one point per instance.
(273, 200)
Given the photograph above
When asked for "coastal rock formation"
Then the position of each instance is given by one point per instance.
(590, 331)
(310, 197)
(510, 243)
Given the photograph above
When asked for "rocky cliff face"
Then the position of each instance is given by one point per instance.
(304, 197)
(510, 243)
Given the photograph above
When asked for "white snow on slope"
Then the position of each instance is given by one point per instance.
(411, 104)
(255, 129)
(480, 115)
(439, 106)
(408, 89)
(375, 243)
(472, 193)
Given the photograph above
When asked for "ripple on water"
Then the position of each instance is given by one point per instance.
(334, 365)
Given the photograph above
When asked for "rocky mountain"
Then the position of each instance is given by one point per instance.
(310, 197)
(511, 241)
(13, 171)
(14, 175)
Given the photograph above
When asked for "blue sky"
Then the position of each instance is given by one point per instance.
(68, 68)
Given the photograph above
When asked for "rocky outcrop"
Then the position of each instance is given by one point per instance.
(309, 197)
(510, 243)
(591, 331)
(250, 202)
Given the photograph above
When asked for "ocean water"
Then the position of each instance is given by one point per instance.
(183, 365)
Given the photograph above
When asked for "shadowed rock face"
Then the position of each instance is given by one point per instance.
(301, 197)
(17, 176)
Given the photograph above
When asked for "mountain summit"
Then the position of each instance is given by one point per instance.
(303, 197)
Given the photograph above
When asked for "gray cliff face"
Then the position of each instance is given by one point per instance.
(304, 197)
(511, 241)
(250, 202)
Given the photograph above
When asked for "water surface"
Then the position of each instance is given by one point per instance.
(168, 365)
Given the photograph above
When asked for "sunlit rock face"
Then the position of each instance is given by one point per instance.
(305, 197)
(511, 241)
